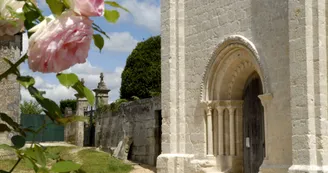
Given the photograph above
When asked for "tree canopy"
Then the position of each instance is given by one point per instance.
(141, 76)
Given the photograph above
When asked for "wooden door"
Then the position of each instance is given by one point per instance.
(254, 146)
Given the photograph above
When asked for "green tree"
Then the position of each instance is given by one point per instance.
(31, 108)
(141, 76)
(67, 103)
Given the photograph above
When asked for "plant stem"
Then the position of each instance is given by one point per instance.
(12, 169)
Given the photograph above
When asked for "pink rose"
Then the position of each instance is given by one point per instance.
(9, 24)
(88, 7)
(59, 43)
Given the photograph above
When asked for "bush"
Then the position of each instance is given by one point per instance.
(68, 103)
(142, 73)
(30, 108)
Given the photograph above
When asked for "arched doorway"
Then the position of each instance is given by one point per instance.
(253, 115)
(234, 88)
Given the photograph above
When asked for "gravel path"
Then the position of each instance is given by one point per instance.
(141, 168)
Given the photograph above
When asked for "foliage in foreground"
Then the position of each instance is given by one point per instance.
(92, 161)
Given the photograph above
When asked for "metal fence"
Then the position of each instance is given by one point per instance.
(51, 132)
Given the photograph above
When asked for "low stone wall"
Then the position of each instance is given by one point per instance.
(138, 120)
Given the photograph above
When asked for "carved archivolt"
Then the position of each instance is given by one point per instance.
(222, 63)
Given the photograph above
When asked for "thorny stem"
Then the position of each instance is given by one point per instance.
(12, 169)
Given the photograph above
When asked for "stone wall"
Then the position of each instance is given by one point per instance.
(10, 47)
(138, 120)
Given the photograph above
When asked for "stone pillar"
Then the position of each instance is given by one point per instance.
(308, 85)
(10, 48)
(220, 141)
(68, 128)
(81, 105)
(209, 126)
(175, 138)
(230, 149)
(232, 130)
(101, 92)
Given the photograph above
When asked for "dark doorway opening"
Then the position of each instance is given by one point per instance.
(253, 115)
(158, 134)
(89, 129)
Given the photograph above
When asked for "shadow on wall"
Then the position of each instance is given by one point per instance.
(133, 132)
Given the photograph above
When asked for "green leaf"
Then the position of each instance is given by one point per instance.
(89, 95)
(30, 152)
(71, 119)
(116, 5)
(99, 41)
(97, 28)
(4, 127)
(65, 166)
(18, 141)
(84, 92)
(4, 117)
(53, 156)
(30, 164)
(51, 108)
(111, 15)
(56, 6)
(40, 157)
(26, 81)
(7, 147)
(43, 170)
(2, 171)
(31, 13)
(67, 80)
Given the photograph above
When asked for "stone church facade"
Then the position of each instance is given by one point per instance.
(244, 86)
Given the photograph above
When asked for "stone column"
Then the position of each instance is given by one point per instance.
(232, 130)
(308, 85)
(81, 105)
(209, 126)
(10, 48)
(101, 92)
(220, 141)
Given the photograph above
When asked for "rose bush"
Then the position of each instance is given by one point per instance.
(59, 43)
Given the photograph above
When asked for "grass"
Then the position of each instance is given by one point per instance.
(92, 161)
(101, 162)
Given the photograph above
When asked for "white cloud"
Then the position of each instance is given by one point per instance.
(89, 73)
(120, 42)
(145, 13)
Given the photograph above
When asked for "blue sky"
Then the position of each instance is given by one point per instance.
(142, 23)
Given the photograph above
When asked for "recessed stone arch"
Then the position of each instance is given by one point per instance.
(222, 75)
(232, 65)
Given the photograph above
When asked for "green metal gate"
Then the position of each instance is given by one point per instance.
(52, 132)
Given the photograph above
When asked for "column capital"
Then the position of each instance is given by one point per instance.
(228, 103)
(207, 104)
(265, 99)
